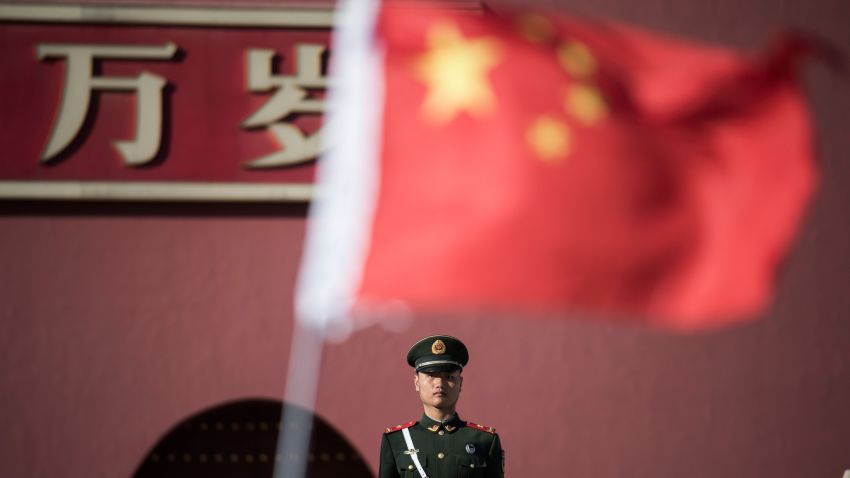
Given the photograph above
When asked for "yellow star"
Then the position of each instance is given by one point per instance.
(535, 28)
(586, 103)
(455, 71)
(549, 138)
(577, 59)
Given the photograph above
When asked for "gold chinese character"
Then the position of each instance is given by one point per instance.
(80, 81)
(291, 95)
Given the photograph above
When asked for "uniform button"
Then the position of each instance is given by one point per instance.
(472, 465)
(409, 467)
(441, 455)
(441, 432)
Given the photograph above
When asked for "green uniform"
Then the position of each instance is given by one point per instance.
(445, 450)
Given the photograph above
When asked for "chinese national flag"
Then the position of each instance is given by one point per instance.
(541, 164)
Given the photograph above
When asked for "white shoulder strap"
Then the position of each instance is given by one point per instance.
(412, 452)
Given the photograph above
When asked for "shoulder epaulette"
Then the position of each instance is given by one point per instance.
(481, 427)
(400, 427)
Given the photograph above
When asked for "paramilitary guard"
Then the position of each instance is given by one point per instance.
(440, 444)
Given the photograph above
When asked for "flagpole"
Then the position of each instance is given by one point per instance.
(336, 239)
(302, 384)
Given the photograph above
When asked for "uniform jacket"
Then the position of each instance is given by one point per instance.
(454, 448)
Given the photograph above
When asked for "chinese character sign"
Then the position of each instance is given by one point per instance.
(119, 102)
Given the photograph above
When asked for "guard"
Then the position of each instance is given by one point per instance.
(440, 444)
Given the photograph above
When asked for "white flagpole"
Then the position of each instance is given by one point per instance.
(340, 218)
(296, 426)
(347, 175)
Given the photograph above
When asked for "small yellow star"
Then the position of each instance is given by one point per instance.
(549, 138)
(577, 59)
(535, 28)
(586, 103)
(455, 71)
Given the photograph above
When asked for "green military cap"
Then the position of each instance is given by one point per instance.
(438, 352)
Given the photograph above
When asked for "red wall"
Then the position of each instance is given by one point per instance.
(117, 321)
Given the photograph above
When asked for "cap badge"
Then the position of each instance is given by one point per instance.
(470, 448)
(438, 347)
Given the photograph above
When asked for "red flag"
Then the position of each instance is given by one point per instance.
(542, 164)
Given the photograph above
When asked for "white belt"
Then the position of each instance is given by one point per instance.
(412, 452)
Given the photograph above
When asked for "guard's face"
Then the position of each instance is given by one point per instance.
(438, 389)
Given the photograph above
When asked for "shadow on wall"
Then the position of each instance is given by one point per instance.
(239, 439)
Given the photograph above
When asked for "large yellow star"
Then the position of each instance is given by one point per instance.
(455, 71)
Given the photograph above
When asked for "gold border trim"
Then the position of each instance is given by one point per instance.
(155, 191)
(318, 17)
